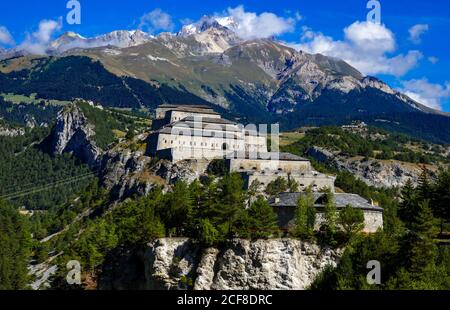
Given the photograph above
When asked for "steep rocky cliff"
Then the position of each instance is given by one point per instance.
(125, 172)
(280, 264)
(74, 134)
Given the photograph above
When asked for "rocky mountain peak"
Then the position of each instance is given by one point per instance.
(226, 24)
(74, 134)
(118, 38)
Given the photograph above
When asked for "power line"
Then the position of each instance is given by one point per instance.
(48, 186)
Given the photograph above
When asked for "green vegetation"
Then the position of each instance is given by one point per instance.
(259, 221)
(25, 168)
(409, 254)
(374, 142)
(210, 213)
(281, 185)
(351, 220)
(82, 77)
(15, 245)
(218, 167)
(19, 114)
(305, 216)
(106, 122)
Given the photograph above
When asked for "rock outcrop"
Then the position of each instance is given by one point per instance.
(126, 173)
(374, 172)
(74, 134)
(280, 264)
(6, 131)
(185, 170)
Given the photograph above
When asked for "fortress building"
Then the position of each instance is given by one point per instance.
(196, 132)
(182, 132)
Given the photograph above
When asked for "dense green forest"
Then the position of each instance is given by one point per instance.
(213, 211)
(371, 106)
(410, 255)
(26, 169)
(83, 78)
(15, 248)
(18, 114)
(105, 122)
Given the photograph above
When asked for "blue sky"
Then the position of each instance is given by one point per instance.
(410, 49)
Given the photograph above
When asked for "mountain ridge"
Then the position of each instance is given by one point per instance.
(258, 80)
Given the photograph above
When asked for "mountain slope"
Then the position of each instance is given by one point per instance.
(74, 77)
(255, 80)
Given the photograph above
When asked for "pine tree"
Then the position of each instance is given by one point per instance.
(293, 185)
(179, 210)
(424, 189)
(440, 203)
(15, 246)
(351, 220)
(228, 203)
(305, 217)
(422, 247)
(409, 203)
(208, 235)
(262, 221)
(330, 218)
(279, 185)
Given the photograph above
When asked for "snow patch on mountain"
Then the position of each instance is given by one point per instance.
(118, 38)
(155, 58)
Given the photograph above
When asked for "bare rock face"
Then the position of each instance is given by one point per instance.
(374, 172)
(280, 264)
(185, 170)
(11, 132)
(126, 173)
(73, 134)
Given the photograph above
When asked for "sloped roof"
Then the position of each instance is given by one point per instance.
(271, 155)
(167, 105)
(341, 200)
(202, 110)
(210, 120)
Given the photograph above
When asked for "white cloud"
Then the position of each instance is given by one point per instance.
(5, 36)
(298, 16)
(155, 21)
(37, 42)
(370, 37)
(252, 26)
(416, 32)
(434, 60)
(366, 46)
(426, 93)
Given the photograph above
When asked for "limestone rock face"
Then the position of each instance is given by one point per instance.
(73, 134)
(374, 172)
(126, 173)
(280, 264)
(384, 173)
(11, 132)
(185, 170)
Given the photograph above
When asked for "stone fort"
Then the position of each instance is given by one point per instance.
(197, 132)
